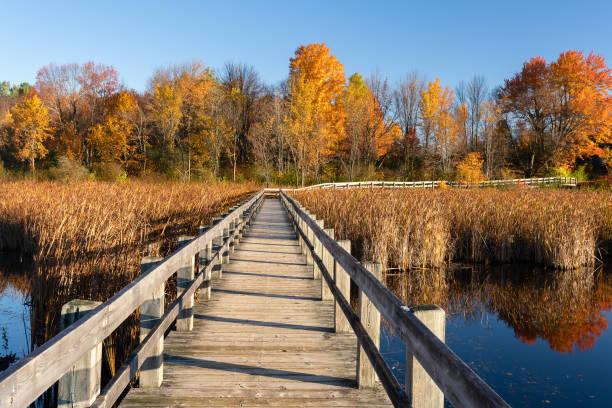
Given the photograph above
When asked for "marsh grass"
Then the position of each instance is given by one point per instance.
(86, 241)
(431, 228)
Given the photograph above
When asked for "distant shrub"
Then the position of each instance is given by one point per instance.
(68, 170)
(579, 172)
(109, 172)
(470, 168)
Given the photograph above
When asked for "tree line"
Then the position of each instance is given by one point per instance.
(195, 123)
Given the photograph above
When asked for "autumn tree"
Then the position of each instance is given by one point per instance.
(181, 103)
(428, 108)
(299, 125)
(438, 123)
(558, 112)
(30, 122)
(368, 134)
(581, 111)
(114, 139)
(356, 100)
(319, 76)
(76, 96)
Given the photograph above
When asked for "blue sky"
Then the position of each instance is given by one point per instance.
(452, 40)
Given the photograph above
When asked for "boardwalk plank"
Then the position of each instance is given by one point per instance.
(265, 338)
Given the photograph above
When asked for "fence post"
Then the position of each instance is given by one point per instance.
(217, 243)
(80, 386)
(152, 369)
(370, 318)
(343, 282)
(184, 276)
(328, 261)
(205, 256)
(421, 389)
(316, 272)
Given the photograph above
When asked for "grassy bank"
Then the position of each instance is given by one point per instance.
(430, 228)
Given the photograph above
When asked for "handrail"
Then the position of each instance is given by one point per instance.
(436, 183)
(31, 376)
(459, 383)
(394, 390)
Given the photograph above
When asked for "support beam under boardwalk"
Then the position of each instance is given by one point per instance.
(264, 338)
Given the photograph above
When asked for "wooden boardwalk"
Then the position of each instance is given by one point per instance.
(265, 338)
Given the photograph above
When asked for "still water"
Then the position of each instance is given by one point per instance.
(15, 309)
(538, 338)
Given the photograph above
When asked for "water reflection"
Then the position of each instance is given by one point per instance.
(14, 310)
(537, 337)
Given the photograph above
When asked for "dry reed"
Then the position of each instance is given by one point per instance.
(431, 228)
(87, 239)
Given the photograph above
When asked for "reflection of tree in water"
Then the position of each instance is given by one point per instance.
(565, 308)
(12, 278)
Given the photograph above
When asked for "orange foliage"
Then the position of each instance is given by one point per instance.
(582, 106)
(324, 74)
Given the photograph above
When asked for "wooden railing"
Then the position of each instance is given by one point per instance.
(457, 381)
(569, 181)
(31, 376)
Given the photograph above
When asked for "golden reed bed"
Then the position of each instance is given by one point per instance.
(430, 228)
(86, 240)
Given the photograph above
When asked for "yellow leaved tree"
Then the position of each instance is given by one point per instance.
(113, 138)
(30, 122)
(315, 122)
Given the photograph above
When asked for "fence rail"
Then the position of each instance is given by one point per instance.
(459, 383)
(568, 181)
(31, 376)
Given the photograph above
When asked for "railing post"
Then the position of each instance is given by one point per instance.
(370, 318)
(231, 229)
(205, 257)
(308, 232)
(184, 276)
(152, 370)
(343, 282)
(316, 272)
(241, 225)
(80, 386)
(225, 252)
(421, 389)
(328, 261)
(217, 243)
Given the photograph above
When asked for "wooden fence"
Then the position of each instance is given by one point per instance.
(31, 376)
(566, 181)
(458, 382)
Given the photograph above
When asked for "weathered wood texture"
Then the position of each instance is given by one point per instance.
(264, 338)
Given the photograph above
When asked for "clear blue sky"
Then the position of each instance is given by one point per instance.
(452, 40)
